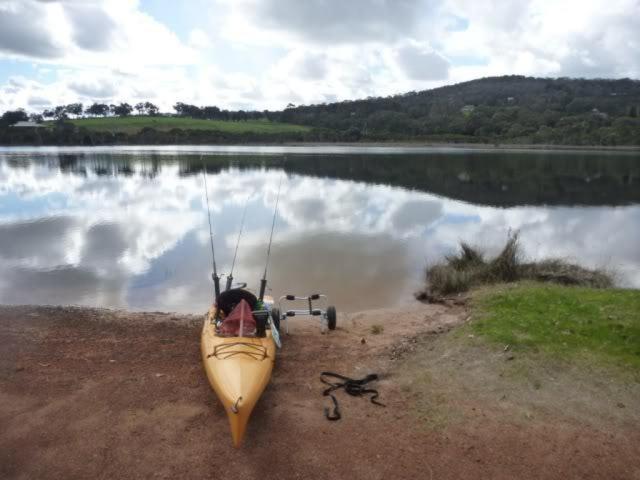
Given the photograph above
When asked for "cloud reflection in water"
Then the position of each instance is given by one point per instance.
(140, 240)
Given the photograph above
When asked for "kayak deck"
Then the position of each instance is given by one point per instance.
(238, 369)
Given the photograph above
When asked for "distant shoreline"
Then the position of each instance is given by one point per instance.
(470, 146)
(417, 145)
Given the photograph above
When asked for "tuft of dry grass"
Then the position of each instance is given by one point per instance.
(468, 257)
(377, 329)
(469, 268)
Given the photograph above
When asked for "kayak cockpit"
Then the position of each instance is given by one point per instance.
(239, 313)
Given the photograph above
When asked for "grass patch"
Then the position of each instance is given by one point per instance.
(134, 124)
(562, 321)
(377, 329)
(469, 268)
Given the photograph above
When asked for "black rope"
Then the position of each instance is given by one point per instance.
(353, 387)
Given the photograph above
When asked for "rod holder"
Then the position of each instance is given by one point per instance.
(216, 284)
(263, 287)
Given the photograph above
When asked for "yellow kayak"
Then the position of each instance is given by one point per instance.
(238, 369)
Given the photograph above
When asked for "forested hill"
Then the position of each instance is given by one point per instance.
(497, 110)
(511, 109)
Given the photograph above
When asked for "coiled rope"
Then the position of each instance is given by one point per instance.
(355, 388)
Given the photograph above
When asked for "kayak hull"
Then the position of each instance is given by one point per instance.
(238, 369)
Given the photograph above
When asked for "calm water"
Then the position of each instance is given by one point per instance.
(127, 227)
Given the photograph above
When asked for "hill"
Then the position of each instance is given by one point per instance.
(503, 110)
(509, 109)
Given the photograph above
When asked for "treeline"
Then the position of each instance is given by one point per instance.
(214, 113)
(77, 110)
(509, 109)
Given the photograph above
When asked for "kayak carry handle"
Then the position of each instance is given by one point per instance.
(234, 408)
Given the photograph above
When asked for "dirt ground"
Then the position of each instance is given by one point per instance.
(103, 394)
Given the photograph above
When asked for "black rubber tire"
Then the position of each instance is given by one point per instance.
(331, 317)
(275, 318)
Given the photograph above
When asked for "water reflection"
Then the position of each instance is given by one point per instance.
(130, 231)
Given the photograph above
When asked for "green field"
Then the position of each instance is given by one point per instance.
(134, 124)
(562, 321)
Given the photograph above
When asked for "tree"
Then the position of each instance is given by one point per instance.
(186, 110)
(98, 109)
(12, 117)
(36, 118)
(211, 112)
(48, 114)
(179, 107)
(140, 108)
(122, 110)
(60, 112)
(151, 108)
(74, 109)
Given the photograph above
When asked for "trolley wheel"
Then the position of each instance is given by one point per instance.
(275, 318)
(331, 317)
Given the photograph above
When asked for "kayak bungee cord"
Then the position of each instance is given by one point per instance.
(214, 275)
(257, 352)
(235, 254)
(263, 282)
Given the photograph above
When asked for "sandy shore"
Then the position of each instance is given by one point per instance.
(92, 393)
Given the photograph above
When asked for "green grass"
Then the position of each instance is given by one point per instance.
(563, 321)
(133, 124)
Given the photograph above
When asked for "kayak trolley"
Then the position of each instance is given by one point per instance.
(327, 313)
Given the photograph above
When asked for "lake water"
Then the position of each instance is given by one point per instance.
(127, 227)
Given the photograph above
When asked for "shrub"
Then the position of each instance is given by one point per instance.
(469, 268)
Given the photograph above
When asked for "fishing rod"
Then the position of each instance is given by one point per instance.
(214, 275)
(263, 282)
(235, 254)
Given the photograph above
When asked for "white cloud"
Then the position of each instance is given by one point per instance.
(328, 22)
(420, 62)
(101, 33)
(200, 39)
(24, 30)
(546, 38)
(267, 53)
(93, 28)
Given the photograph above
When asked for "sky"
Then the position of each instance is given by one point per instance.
(265, 54)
